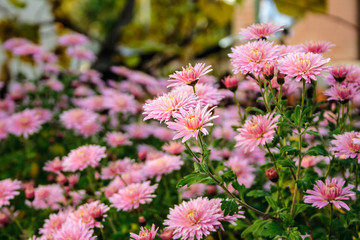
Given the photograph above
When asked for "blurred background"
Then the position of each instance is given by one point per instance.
(158, 36)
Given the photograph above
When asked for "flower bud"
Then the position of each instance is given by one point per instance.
(3, 219)
(30, 193)
(268, 70)
(339, 73)
(280, 78)
(166, 235)
(211, 190)
(272, 175)
(231, 83)
(142, 221)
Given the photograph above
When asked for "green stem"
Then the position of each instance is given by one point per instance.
(280, 96)
(264, 97)
(194, 89)
(111, 223)
(239, 108)
(331, 217)
(219, 234)
(303, 97)
(329, 168)
(298, 173)
(90, 180)
(356, 174)
(191, 152)
(272, 158)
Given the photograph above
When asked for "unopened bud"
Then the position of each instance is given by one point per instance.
(231, 83)
(280, 78)
(272, 175)
(268, 70)
(211, 190)
(30, 193)
(3, 219)
(142, 221)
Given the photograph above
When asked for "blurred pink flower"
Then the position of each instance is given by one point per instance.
(310, 161)
(13, 43)
(139, 130)
(331, 191)
(189, 75)
(54, 166)
(189, 123)
(162, 166)
(257, 131)
(27, 49)
(145, 234)
(116, 168)
(83, 157)
(90, 214)
(307, 66)
(164, 107)
(48, 196)
(174, 148)
(250, 57)
(259, 31)
(73, 39)
(116, 139)
(243, 170)
(24, 123)
(120, 102)
(9, 189)
(195, 190)
(54, 84)
(76, 117)
(81, 54)
(93, 103)
(131, 196)
(53, 223)
(74, 230)
(316, 46)
(342, 92)
(3, 128)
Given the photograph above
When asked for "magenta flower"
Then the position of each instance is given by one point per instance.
(257, 131)
(9, 189)
(133, 195)
(316, 46)
(83, 157)
(164, 107)
(145, 234)
(189, 123)
(231, 83)
(251, 57)
(189, 75)
(331, 191)
(307, 66)
(346, 145)
(197, 218)
(342, 92)
(259, 31)
(73, 39)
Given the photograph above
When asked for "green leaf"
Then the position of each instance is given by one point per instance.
(194, 178)
(317, 150)
(272, 203)
(299, 208)
(311, 132)
(229, 206)
(228, 176)
(255, 109)
(287, 163)
(272, 230)
(240, 188)
(289, 150)
(258, 193)
(296, 114)
(216, 142)
(256, 228)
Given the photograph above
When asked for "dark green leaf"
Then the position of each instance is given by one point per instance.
(299, 208)
(289, 150)
(240, 188)
(271, 202)
(255, 109)
(287, 163)
(229, 206)
(317, 150)
(311, 132)
(258, 193)
(194, 178)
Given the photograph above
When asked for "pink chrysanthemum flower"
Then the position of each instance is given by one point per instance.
(8, 190)
(138, 130)
(73, 39)
(316, 46)
(48, 196)
(195, 190)
(91, 214)
(174, 148)
(250, 57)
(74, 230)
(120, 102)
(24, 123)
(54, 166)
(189, 75)
(145, 234)
(93, 103)
(133, 195)
(259, 31)
(307, 66)
(76, 117)
(342, 92)
(243, 170)
(45, 57)
(13, 43)
(231, 83)
(81, 54)
(331, 191)
(53, 224)
(338, 73)
(196, 218)
(162, 165)
(164, 107)
(83, 157)
(257, 131)
(116, 168)
(27, 49)
(310, 161)
(189, 123)
(346, 146)
(116, 139)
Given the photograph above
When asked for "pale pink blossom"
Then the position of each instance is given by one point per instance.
(307, 66)
(257, 131)
(243, 170)
(195, 190)
(251, 57)
(162, 166)
(53, 223)
(81, 54)
(90, 214)
(73, 39)
(116, 139)
(145, 234)
(3, 128)
(331, 191)
(259, 31)
(83, 157)
(74, 230)
(116, 168)
(9, 189)
(189, 75)
(27, 49)
(189, 123)
(316, 46)
(346, 145)
(342, 92)
(76, 117)
(13, 43)
(310, 161)
(120, 102)
(48, 196)
(93, 103)
(24, 123)
(131, 196)
(55, 85)
(174, 148)
(54, 166)
(138, 130)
